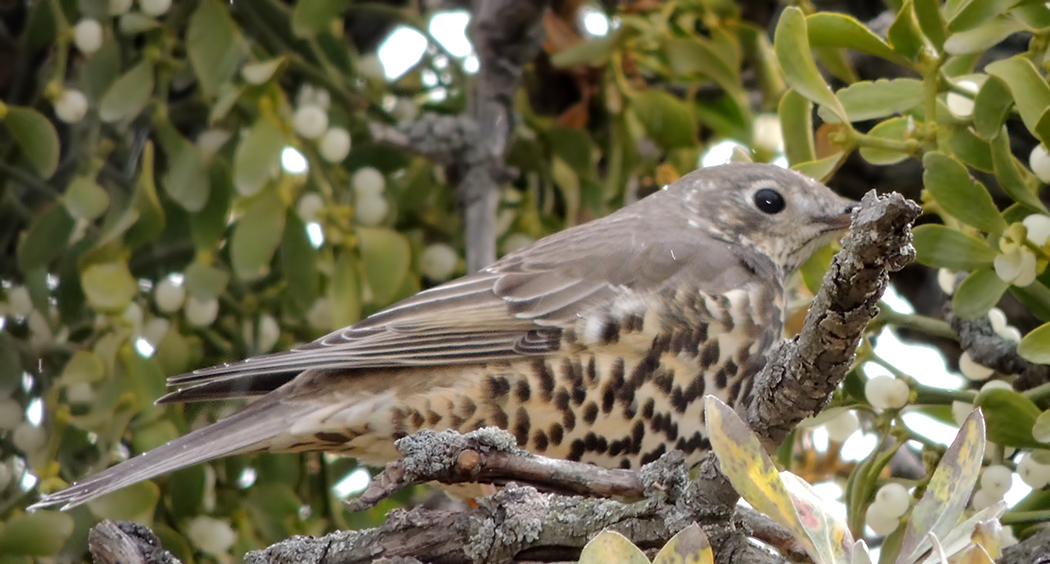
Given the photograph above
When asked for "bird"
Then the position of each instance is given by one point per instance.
(594, 344)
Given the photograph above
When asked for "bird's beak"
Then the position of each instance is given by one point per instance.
(841, 221)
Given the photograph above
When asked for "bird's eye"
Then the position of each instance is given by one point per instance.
(769, 201)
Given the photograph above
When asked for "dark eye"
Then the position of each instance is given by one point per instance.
(769, 201)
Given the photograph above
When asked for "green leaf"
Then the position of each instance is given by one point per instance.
(574, 146)
(1036, 16)
(991, 107)
(982, 38)
(1041, 427)
(10, 364)
(1035, 346)
(100, 70)
(968, 147)
(791, 44)
(129, 94)
(344, 291)
(820, 169)
(796, 124)
(747, 466)
(978, 294)
(1027, 87)
(299, 264)
(905, 34)
(36, 137)
(975, 12)
(310, 17)
(385, 258)
(831, 29)
(84, 367)
(132, 503)
(666, 118)
(186, 181)
(960, 194)
(689, 546)
(870, 100)
(695, 55)
(899, 129)
(1010, 417)
(608, 547)
(150, 223)
(258, 155)
(256, 236)
(949, 489)
(205, 282)
(208, 225)
(931, 23)
(214, 46)
(942, 247)
(42, 533)
(1008, 173)
(592, 53)
(109, 287)
(85, 199)
(1036, 297)
(46, 239)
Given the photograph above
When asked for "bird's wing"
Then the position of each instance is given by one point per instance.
(517, 307)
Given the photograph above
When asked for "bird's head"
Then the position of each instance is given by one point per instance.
(779, 212)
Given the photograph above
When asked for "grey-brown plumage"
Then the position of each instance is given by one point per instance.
(595, 344)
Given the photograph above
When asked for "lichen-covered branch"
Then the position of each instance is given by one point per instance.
(989, 349)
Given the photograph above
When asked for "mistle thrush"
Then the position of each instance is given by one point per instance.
(596, 344)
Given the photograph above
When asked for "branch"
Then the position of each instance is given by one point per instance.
(124, 542)
(989, 349)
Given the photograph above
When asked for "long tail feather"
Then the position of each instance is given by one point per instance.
(250, 427)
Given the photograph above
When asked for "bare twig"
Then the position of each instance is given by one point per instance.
(989, 349)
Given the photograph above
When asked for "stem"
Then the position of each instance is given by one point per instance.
(921, 323)
(900, 145)
(1018, 517)
(1038, 393)
(30, 180)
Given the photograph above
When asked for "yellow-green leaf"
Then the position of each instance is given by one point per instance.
(84, 367)
(796, 123)
(689, 546)
(109, 287)
(898, 128)
(42, 533)
(85, 199)
(982, 38)
(129, 94)
(150, 222)
(948, 491)
(132, 503)
(791, 44)
(905, 34)
(1029, 89)
(36, 137)
(820, 169)
(256, 236)
(310, 17)
(257, 157)
(1008, 172)
(1035, 346)
(942, 247)
(832, 29)
(666, 118)
(592, 53)
(960, 194)
(870, 100)
(385, 258)
(46, 239)
(978, 294)
(214, 46)
(610, 547)
(991, 106)
(344, 291)
(975, 12)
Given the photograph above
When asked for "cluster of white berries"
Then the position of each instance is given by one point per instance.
(266, 338)
(1016, 263)
(886, 392)
(996, 480)
(370, 207)
(19, 304)
(1039, 160)
(842, 426)
(891, 503)
(311, 122)
(170, 297)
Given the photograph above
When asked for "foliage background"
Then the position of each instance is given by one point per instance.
(95, 214)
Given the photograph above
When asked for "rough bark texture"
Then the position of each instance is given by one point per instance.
(989, 349)
(126, 543)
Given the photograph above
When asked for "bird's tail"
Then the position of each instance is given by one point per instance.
(244, 431)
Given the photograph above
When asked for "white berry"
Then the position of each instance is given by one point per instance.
(118, 7)
(169, 296)
(309, 205)
(310, 121)
(210, 141)
(211, 535)
(87, 36)
(155, 8)
(19, 302)
(334, 145)
(946, 280)
(960, 411)
(982, 499)
(5, 475)
(516, 241)
(80, 393)
(1039, 160)
(201, 313)
(370, 210)
(368, 181)
(842, 426)
(28, 438)
(155, 329)
(11, 414)
(997, 318)
(959, 105)
(132, 317)
(404, 110)
(894, 499)
(269, 332)
(996, 480)
(885, 392)
(1032, 473)
(370, 66)
(1038, 227)
(71, 106)
(880, 521)
(438, 262)
(972, 370)
(320, 315)
(994, 384)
